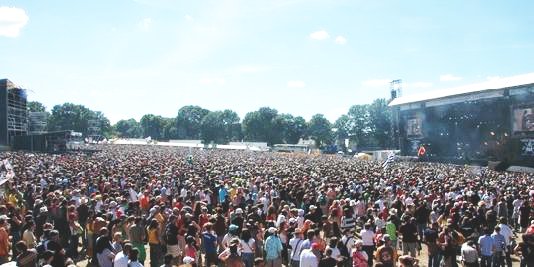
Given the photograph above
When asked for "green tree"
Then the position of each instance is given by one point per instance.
(213, 128)
(232, 126)
(188, 122)
(359, 128)
(170, 131)
(380, 122)
(128, 129)
(320, 130)
(342, 127)
(152, 126)
(261, 126)
(74, 117)
(34, 106)
(290, 129)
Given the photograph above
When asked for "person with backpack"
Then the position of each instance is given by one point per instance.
(348, 243)
(296, 248)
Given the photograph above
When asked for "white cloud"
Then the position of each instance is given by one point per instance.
(189, 17)
(377, 82)
(145, 24)
(419, 85)
(12, 20)
(493, 78)
(340, 40)
(449, 78)
(319, 35)
(296, 84)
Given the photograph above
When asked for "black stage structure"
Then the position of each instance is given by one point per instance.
(13, 113)
(475, 124)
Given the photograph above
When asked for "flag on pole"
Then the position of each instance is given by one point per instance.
(389, 160)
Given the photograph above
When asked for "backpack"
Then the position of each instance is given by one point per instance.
(344, 251)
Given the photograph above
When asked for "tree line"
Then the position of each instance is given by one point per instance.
(366, 125)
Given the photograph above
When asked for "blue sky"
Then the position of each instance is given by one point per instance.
(128, 58)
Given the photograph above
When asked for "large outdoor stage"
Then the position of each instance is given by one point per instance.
(490, 121)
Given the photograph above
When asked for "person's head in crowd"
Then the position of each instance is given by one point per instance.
(134, 254)
(245, 234)
(53, 235)
(386, 239)
(258, 262)
(48, 256)
(408, 261)
(127, 248)
(328, 252)
(21, 246)
(333, 242)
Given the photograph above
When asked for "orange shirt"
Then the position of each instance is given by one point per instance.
(143, 202)
(4, 242)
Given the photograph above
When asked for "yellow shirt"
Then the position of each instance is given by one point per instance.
(153, 237)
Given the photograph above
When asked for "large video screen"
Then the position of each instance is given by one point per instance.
(523, 120)
(413, 127)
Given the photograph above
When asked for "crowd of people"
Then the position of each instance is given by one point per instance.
(160, 206)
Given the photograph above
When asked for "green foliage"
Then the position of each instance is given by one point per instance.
(152, 126)
(261, 126)
(320, 130)
(364, 125)
(34, 106)
(188, 122)
(128, 129)
(76, 117)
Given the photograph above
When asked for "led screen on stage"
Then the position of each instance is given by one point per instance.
(523, 120)
(413, 127)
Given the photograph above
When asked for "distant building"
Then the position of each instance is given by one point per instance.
(13, 113)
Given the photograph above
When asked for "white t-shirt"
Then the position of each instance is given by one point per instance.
(120, 260)
(368, 237)
(296, 248)
(506, 231)
(308, 259)
(247, 246)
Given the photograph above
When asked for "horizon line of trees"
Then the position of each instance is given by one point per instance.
(363, 125)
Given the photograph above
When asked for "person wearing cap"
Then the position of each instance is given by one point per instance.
(296, 247)
(273, 249)
(386, 254)
(310, 257)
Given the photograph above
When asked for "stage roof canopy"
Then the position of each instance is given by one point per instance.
(491, 85)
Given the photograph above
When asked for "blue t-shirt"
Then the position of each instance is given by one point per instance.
(210, 242)
(486, 245)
